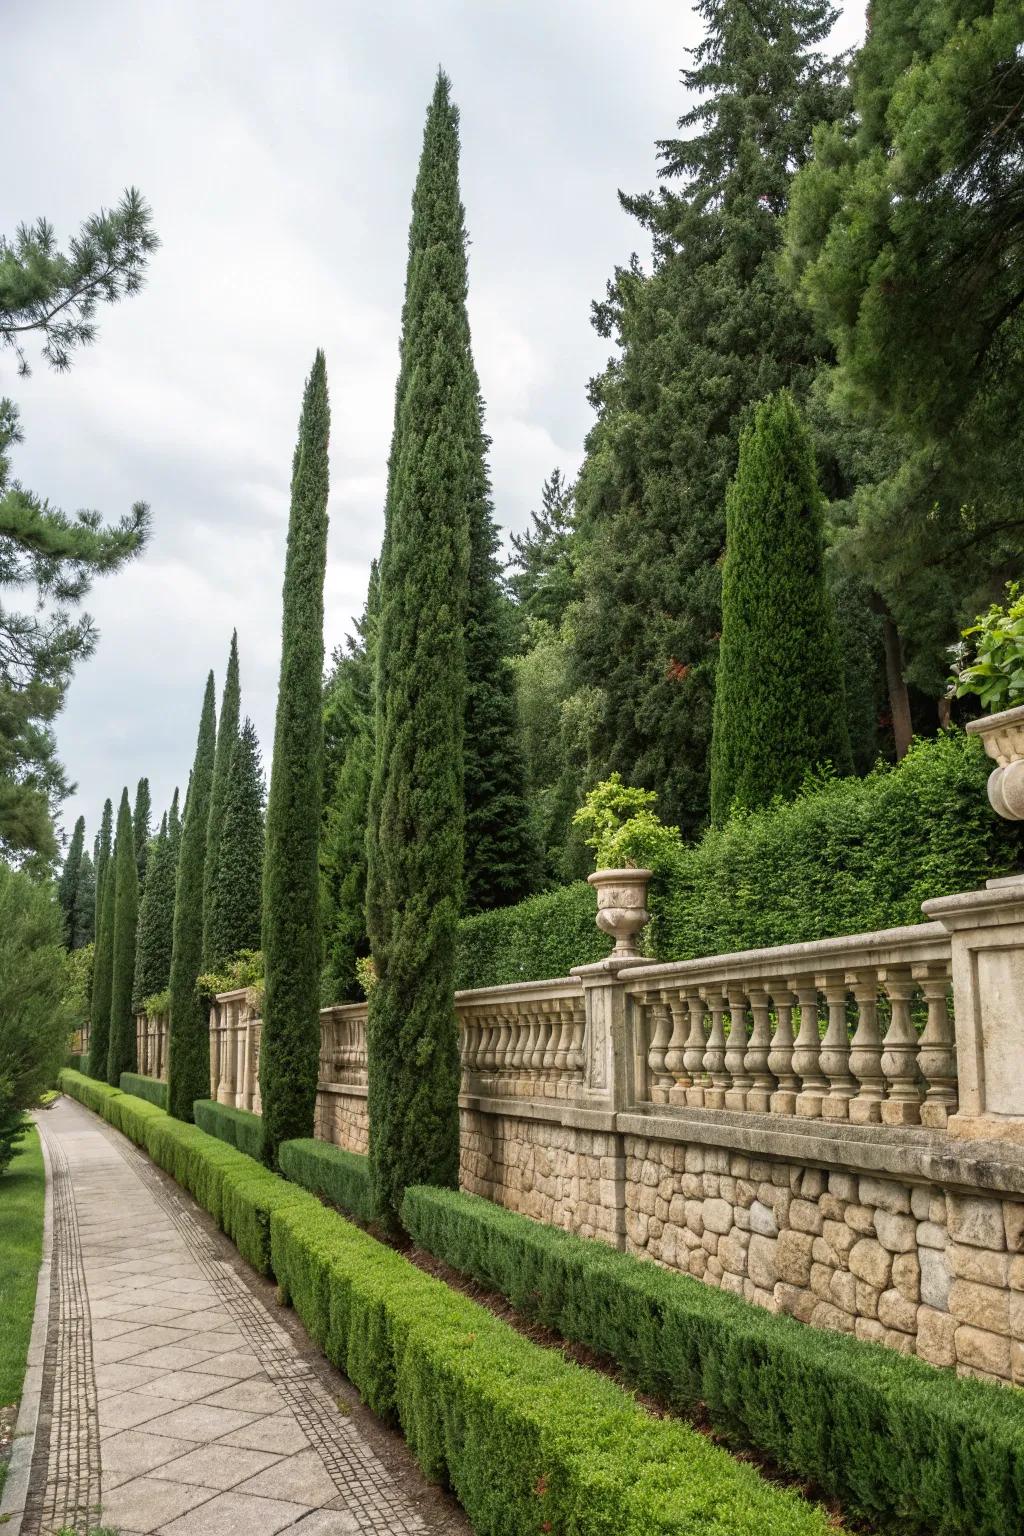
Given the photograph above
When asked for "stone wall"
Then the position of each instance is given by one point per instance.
(341, 1116)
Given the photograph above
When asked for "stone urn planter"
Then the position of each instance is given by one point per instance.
(1002, 736)
(622, 907)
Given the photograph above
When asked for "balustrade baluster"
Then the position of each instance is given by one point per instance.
(501, 1053)
(866, 1050)
(714, 1054)
(780, 1057)
(695, 1048)
(563, 1051)
(835, 1050)
(736, 1051)
(521, 1030)
(529, 1051)
(675, 1065)
(936, 1055)
(547, 1064)
(578, 1061)
(902, 1103)
(659, 1028)
(760, 1092)
(807, 1051)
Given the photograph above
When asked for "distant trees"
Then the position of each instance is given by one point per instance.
(227, 736)
(234, 916)
(34, 1024)
(68, 894)
(125, 878)
(156, 911)
(140, 828)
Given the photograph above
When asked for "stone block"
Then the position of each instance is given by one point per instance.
(795, 1302)
(937, 1210)
(691, 1185)
(825, 1315)
(843, 1290)
(716, 1269)
(1017, 1274)
(869, 1330)
(698, 1263)
(709, 1242)
(867, 1299)
(732, 1282)
(812, 1183)
(761, 1261)
(931, 1235)
(746, 1193)
(935, 1334)
(980, 1264)
(935, 1279)
(793, 1257)
(739, 1165)
(717, 1215)
(896, 1312)
(871, 1262)
(762, 1219)
(733, 1255)
(804, 1216)
(677, 1211)
(742, 1219)
(831, 1208)
(904, 1343)
(920, 1202)
(976, 1221)
(861, 1218)
(980, 1305)
(884, 1194)
(820, 1277)
(1013, 1224)
(897, 1233)
(839, 1236)
(647, 1200)
(694, 1160)
(710, 1184)
(1016, 1309)
(821, 1253)
(843, 1186)
(716, 1160)
(906, 1276)
(1017, 1362)
(982, 1351)
(694, 1216)
(727, 1188)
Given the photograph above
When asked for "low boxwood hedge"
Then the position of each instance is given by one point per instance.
(335, 1174)
(527, 1441)
(238, 1127)
(150, 1088)
(78, 1062)
(898, 1442)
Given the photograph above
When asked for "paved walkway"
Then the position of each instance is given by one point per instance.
(173, 1399)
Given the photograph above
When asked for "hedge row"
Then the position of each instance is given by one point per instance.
(527, 1441)
(846, 856)
(331, 1172)
(150, 1088)
(237, 1127)
(78, 1063)
(902, 1445)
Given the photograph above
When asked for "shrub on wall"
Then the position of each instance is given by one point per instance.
(543, 936)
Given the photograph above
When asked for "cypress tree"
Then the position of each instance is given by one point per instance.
(85, 914)
(415, 833)
(290, 1042)
(780, 708)
(156, 915)
(140, 829)
(99, 1007)
(103, 969)
(68, 894)
(227, 736)
(235, 914)
(125, 878)
(188, 1076)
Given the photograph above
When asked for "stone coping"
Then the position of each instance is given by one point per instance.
(347, 1090)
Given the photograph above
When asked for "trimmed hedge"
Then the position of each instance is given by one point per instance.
(543, 936)
(527, 1441)
(331, 1172)
(150, 1088)
(899, 1443)
(77, 1063)
(237, 1127)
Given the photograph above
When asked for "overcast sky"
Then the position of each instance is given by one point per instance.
(278, 146)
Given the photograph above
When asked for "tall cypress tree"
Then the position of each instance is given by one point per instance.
(85, 914)
(415, 834)
(780, 708)
(125, 879)
(235, 914)
(188, 1075)
(227, 736)
(156, 913)
(103, 967)
(290, 1042)
(98, 1006)
(140, 829)
(68, 895)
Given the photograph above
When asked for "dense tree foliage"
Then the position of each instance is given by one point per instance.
(415, 838)
(156, 911)
(34, 1025)
(125, 875)
(234, 918)
(780, 709)
(189, 1049)
(290, 1042)
(103, 961)
(141, 814)
(542, 557)
(227, 737)
(70, 880)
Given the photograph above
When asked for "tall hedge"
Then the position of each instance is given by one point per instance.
(290, 1043)
(103, 966)
(68, 886)
(140, 829)
(227, 736)
(125, 874)
(233, 916)
(156, 912)
(188, 1066)
(415, 833)
(780, 703)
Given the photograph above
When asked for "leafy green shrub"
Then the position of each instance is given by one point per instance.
(77, 1062)
(331, 1172)
(150, 1088)
(543, 936)
(992, 665)
(622, 827)
(237, 1127)
(898, 1442)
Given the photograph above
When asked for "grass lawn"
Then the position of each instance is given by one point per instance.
(21, 1246)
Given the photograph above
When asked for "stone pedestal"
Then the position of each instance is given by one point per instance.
(987, 939)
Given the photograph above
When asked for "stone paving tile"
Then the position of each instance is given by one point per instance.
(122, 1378)
(197, 1421)
(237, 1514)
(135, 1451)
(176, 1357)
(323, 1522)
(277, 1432)
(183, 1387)
(150, 1503)
(219, 1466)
(236, 1363)
(126, 1410)
(252, 1396)
(302, 1478)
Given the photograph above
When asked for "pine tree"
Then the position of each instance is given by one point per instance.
(235, 915)
(290, 1042)
(100, 1005)
(780, 709)
(68, 895)
(710, 331)
(542, 583)
(415, 836)
(103, 968)
(140, 829)
(156, 912)
(188, 1075)
(227, 736)
(125, 875)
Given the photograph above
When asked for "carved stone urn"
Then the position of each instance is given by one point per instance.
(1002, 736)
(622, 907)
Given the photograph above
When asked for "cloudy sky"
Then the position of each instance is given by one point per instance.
(278, 147)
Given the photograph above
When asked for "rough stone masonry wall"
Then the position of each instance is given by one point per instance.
(341, 1117)
(918, 1268)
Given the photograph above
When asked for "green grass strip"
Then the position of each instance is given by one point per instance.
(528, 1442)
(22, 1195)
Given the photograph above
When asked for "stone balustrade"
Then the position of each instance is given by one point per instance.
(855, 1029)
(235, 1030)
(523, 1041)
(151, 1038)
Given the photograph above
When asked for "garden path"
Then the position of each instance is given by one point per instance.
(174, 1400)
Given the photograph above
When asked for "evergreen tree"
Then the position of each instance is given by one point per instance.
(415, 834)
(348, 770)
(103, 966)
(543, 556)
(188, 1076)
(156, 915)
(125, 878)
(68, 894)
(235, 915)
(780, 709)
(227, 736)
(290, 1042)
(140, 829)
(85, 914)
(100, 1004)
(713, 329)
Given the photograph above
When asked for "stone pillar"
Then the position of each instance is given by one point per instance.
(986, 931)
(241, 1058)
